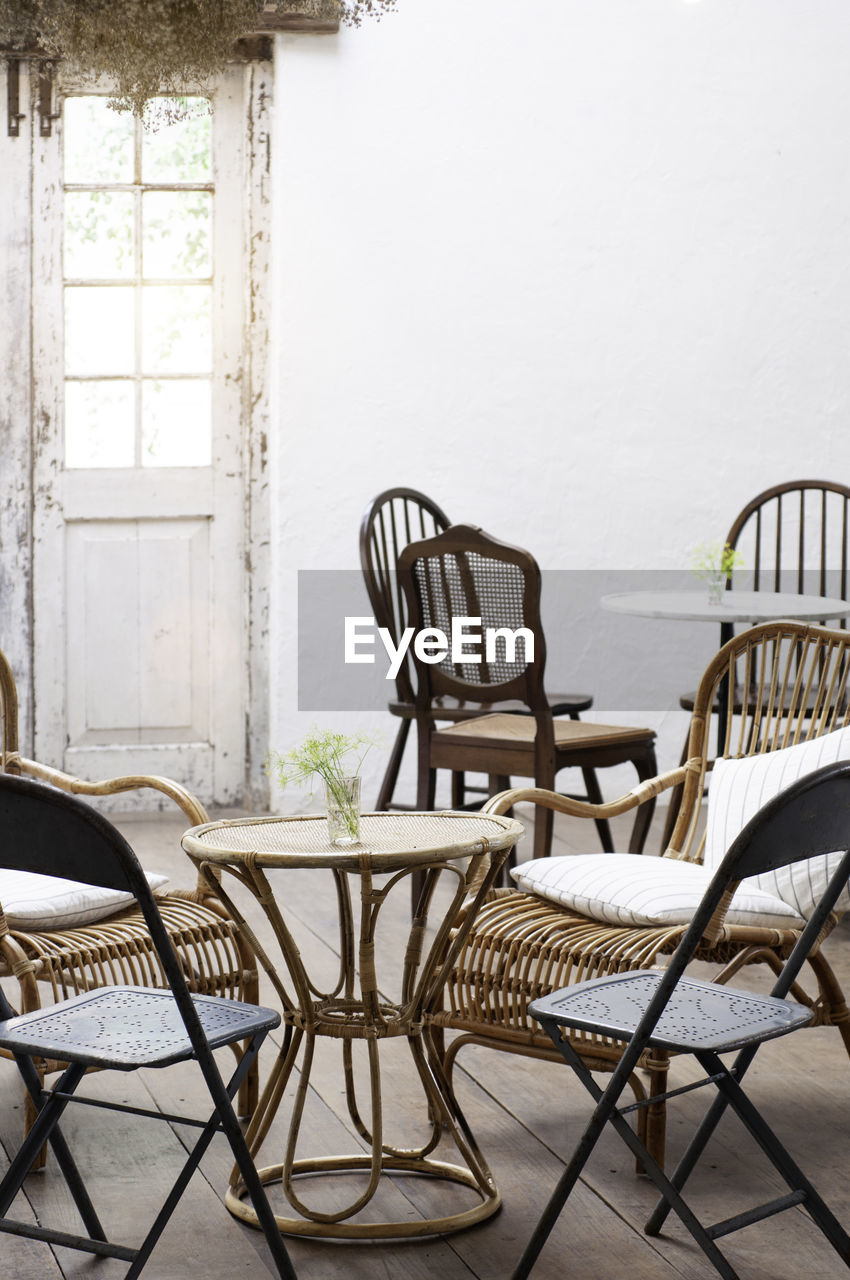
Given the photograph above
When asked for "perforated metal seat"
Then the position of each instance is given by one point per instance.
(124, 1028)
(698, 1015)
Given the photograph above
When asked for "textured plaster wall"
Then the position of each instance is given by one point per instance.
(578, 270)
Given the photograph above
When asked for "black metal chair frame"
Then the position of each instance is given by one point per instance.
(49, 832)
(811, 817)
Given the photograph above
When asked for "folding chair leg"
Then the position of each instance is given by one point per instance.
(778, 1156)
(221, 1096)
(44, 1129)
(606, 1113)
(698, 1143)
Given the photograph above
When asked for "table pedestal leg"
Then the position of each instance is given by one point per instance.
(379, 1162)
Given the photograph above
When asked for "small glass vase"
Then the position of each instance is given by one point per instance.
(342, 799)
(716, 587)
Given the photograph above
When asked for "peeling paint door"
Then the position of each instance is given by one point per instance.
(142, 634)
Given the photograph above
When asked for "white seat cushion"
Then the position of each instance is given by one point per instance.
(636, 889)
(34, 902)
(739, 788)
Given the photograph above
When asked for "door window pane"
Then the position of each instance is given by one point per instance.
(98, 142)
(176, 334)
(176, 418)
(180, 152)
(99, 424)
(176, 234)
(99, 235)
(138, 355)
(99, 330)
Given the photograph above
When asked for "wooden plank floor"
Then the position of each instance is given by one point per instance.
(524, 1114)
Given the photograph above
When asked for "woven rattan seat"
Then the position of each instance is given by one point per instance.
(522, 947)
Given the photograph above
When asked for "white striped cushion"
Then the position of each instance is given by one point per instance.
(739, 788)
(34, 901)
(634, 889)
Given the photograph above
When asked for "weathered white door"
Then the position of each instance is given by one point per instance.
(144, 410)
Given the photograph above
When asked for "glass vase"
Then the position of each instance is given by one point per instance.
(342, 799)
(716, 587)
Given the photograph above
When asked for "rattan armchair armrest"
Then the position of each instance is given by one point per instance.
(647, 790)
(189, 805)
(638, 795)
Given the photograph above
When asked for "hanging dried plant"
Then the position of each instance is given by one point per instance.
(154, 47)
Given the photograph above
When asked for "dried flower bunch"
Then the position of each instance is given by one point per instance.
(152, 48)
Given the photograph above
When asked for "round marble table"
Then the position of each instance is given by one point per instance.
(735, 606)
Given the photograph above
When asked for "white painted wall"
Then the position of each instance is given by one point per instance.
(577, 270)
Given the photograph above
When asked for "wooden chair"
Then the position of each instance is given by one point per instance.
(464, 573)
(523, 946)
(393, 519)
(53, 964)
(793, 536)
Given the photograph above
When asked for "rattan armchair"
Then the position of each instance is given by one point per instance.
(785, 683)
(118, 949)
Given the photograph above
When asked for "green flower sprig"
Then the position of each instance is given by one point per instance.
(711, 558)
(323, 754)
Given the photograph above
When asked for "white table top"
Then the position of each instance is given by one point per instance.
(736, 606)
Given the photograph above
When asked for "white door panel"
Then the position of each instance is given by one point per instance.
(138, 632)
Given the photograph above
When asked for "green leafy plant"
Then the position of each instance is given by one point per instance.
(326, 755)
(715, 560)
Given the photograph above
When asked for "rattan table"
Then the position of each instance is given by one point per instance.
(466, 848)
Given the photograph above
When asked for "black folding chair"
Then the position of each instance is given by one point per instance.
(122, 1028)
(665, 1010)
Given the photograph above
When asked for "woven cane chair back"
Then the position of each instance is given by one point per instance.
(464, 573)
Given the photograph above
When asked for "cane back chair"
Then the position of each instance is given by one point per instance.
(523, 946)
(463, 573)
(54, 964)
(393, 519)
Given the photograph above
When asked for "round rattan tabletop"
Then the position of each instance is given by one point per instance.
(388, 841)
